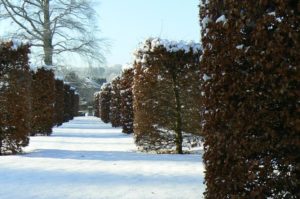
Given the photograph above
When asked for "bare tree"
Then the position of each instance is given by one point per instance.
(56, 26)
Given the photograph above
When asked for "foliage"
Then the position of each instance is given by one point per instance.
(104, 102)
(97, 104)
(43, 101)
(15, 109)
(127, 100)
(68, 103)
(59, 102)
(166, 85)
(115, 103)
(250, 82)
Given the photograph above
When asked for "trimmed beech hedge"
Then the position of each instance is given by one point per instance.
(166, 92)
(59, 102)
(15, 108)
(127, 101)
(250, 79)
(43, 101)
(115, 103)
(68, 103)
(30, 102)
(97, 104)
(104, 102)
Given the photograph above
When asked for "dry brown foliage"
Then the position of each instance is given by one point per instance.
(251, 117)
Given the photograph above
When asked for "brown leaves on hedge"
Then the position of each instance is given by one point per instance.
(251, 101)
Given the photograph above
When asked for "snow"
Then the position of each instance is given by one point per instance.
(171, 46)
(16, 44)
(206, 77)
(272, 13)
(221, 19)
(205, 22)
(127, 66)
(59, 77)
(241, 46)
(3, 84)
(48, 67)
(86, 158)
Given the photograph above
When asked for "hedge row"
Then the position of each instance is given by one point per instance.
(250, 79)
(31, 102)
(114, 102)
(156, 99)
(15, 89)
(166, 87)
(104, 102)
(53, 102)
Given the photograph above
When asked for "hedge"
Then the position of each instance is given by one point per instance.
(15, 109)
(166, 87)
(59, 102)
(115, 103)
(127, 101)
(43, 101)
(250, 81)
(104, 102)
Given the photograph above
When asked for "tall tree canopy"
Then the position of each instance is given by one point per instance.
(55, 26)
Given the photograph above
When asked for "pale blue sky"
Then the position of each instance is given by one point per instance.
(127, 22)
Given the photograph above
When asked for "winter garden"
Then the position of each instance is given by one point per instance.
(215, 119)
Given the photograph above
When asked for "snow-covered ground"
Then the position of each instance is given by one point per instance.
(86, 159)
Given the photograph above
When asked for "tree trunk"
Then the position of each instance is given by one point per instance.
(47, 35)
(178, 125)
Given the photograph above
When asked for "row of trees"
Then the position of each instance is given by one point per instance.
(114, 102)
(250, 104)
(161, 92)
(31, 102)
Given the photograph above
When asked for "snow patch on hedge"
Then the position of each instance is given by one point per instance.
(152, 44)
(221, 19)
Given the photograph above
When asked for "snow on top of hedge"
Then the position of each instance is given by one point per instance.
(221, 19)
(127, 66)
(16, 44)
(171, 46)
(105, 85)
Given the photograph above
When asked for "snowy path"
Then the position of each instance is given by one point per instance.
(87, 159)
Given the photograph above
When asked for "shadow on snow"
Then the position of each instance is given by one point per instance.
(110, 156)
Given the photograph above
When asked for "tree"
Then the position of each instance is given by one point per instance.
(56, 26)
(250, 83)
(166, 75)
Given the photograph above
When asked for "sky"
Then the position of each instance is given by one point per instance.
(126, 23)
